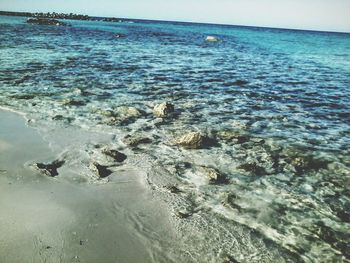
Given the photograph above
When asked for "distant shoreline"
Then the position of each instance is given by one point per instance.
(72, 16)
(55, 15)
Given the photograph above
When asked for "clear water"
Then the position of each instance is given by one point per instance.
(284, 93)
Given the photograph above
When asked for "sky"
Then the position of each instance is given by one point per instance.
(324, 15)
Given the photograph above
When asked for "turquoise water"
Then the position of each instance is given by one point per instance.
(276, 101)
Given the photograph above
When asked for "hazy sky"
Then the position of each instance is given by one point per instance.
(332, 15)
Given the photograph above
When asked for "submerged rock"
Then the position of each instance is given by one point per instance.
(163, 110)
(212, 39)
(100, 170)
(23, 96)
(173, 189)
(308, 163)
(253, 168)
(230, 259)
(72, 102)
(231, 201)
(122, 115)
(119, 35)
(116, 155)
(214, 176)
(183, 215)
(49, 169)
(128, 111)
(233, 136)
(62, 118)
(135, 141)
(194, 140)
(45, 21)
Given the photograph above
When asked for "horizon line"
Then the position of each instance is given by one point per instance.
(195, 22)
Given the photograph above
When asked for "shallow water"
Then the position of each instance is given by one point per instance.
(276, 102)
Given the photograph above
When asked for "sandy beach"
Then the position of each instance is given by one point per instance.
(45, 219)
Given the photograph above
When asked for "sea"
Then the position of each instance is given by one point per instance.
(274, 102)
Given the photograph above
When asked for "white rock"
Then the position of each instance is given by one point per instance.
(192, 140)
(212, 39)
(163, 110)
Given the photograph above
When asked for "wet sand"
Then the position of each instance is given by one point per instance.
(46, 219)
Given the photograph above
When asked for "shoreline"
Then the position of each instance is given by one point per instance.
(135, 205)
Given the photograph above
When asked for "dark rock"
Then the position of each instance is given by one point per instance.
(231, 201)
(116, 155)
(119, 36)
(233, 136)
(339, 240)
(58, 118)
(23, 96)
(214, 176)
(342, 210)
(307, 164)
(71, 102)
(49, 169)
(240, 82)
(173, 189)
(135, 141)
(100, 170)
(45, 21)
(253, 168)
(183, 215)
(230, 259)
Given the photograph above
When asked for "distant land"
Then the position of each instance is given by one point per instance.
(55, 15)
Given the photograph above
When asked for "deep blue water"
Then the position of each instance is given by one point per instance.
(290, 88)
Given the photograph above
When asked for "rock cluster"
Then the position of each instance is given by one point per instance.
(45, 21)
